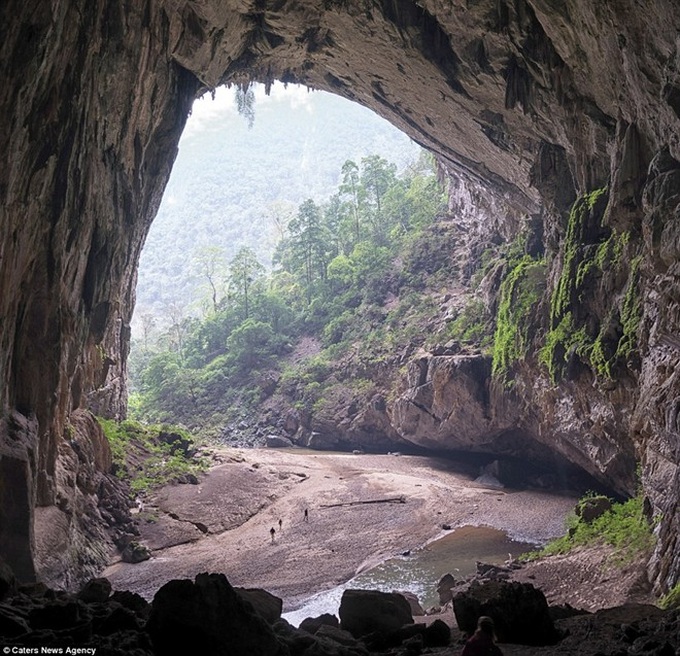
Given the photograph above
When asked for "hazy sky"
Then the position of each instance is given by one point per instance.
(205, 109)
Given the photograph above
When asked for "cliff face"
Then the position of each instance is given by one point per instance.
(534, 101)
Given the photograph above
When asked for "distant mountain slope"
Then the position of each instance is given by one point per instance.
(228, 181)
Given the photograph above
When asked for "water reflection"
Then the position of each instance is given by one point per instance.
(456, 553)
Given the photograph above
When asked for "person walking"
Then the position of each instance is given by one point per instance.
(483, 640)
(306, 515)
(280, 525)
(272, 532)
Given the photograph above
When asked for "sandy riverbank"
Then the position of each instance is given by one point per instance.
(223, 524)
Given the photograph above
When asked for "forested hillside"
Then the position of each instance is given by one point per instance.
(342, 297)
(235, 185)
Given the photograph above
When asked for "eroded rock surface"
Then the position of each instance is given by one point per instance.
(532, 102)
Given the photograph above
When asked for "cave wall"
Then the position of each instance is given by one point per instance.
(532, 100)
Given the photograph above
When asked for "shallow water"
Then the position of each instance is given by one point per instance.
(456, 553)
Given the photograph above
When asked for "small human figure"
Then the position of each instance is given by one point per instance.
(483, 640)
(306, 515)
(272, 532)
(280, 524)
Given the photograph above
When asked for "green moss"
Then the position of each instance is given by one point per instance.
(472, 325)
(624, 527)
(520, 291)
(573, 271)
(602, 347)
(560, 343)
(671, 599)
(141, 458)
(631, 312)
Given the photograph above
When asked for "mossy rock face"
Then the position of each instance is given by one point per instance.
(595, 307)
(135, 552)
(588, 510)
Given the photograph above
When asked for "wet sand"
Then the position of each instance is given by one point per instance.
(224, 523)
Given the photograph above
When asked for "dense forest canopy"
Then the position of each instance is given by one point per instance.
(238, 179)
(339, 268)
(283, 217)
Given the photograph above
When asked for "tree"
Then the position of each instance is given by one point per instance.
(377, 176)
(148, 324)
(244, 272)
(280, 213)
(251, 344)
(307, 244)
(210, 262)
(350, 187)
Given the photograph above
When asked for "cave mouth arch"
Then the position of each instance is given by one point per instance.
(514, 96)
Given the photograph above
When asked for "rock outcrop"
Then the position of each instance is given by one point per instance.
(532, 103)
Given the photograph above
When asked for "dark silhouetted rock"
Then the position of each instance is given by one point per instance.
(368, 611)
(12, 623)
(519, 610)
(336, 634)
(7, 581)
(312, 624)
(207, 617)
(131, 600)
(437, 634)
(265, 603)
(95, 590)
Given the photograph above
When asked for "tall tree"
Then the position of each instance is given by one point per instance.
(307, 244)
(350, 187)
(244, 272)
(377, 176)
(210, 262)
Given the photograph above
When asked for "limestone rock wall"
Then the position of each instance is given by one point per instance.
(92, 109)
(534, 100)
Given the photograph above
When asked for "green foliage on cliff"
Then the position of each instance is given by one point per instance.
(624, 527)
(344, 277)
(520, 291)
(150, 456)
(570, 278)
(592, 253)
(671, 599)
(631, 311)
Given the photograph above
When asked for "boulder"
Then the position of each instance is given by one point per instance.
(336, 634)
(437, 634)
(368, 611)
(95, 590)
(207, 617)
(444, 587)
(135, 552)
(313, 624)
(278, 442)
(592, 508)
(265, 603)
(8, 583)
(416, 609)
(520, 611)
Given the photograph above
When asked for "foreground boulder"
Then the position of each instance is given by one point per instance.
(369, 611)
(269, 606)
(207, 617)
(520, 612)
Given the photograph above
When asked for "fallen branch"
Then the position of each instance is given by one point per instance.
(401, 499)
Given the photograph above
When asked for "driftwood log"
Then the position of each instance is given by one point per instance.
(400, 499)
